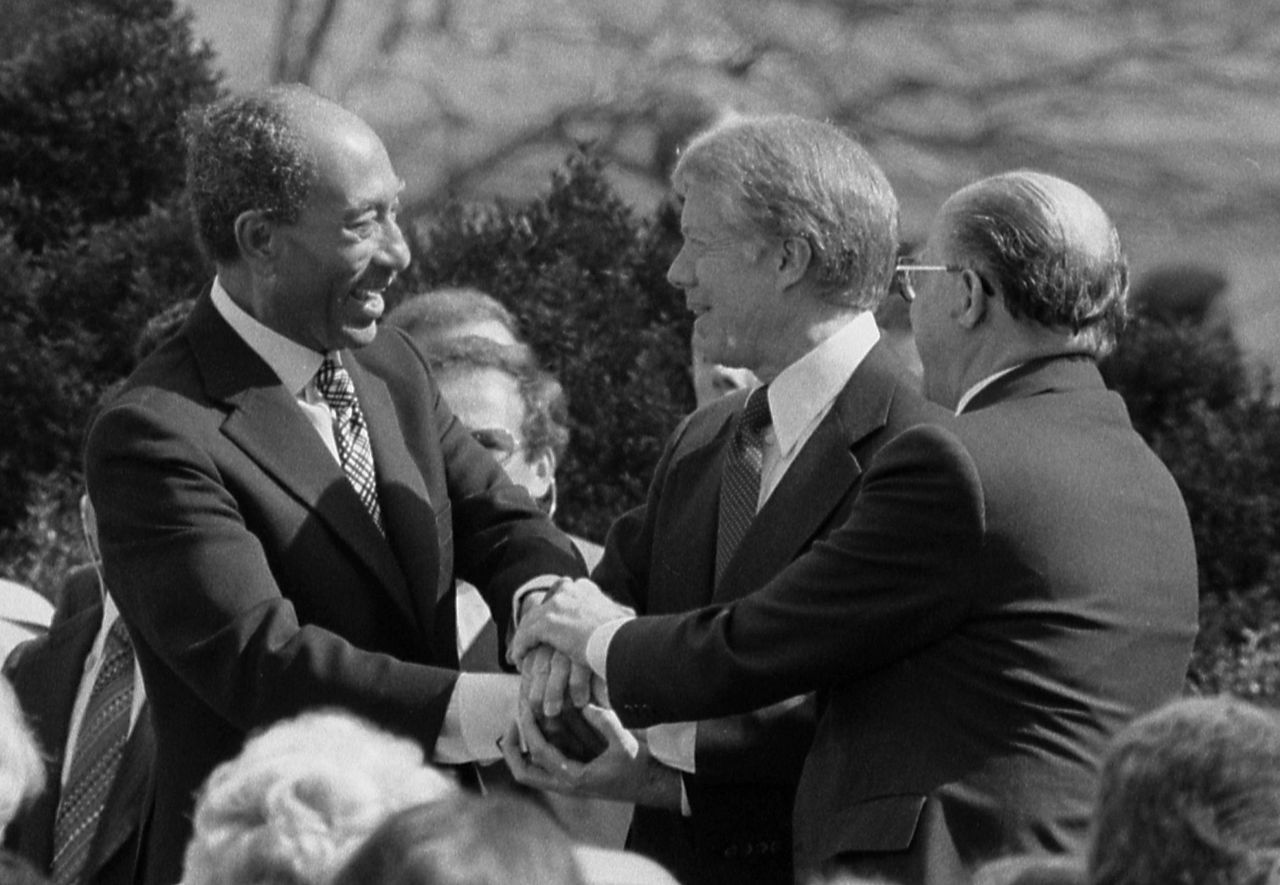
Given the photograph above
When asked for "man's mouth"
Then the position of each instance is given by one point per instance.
(370, 300)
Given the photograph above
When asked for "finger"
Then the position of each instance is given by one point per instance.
(557, 684)
(580, 685)
(542, 752)
(539, 668)
(522, 768)
(607, 724)
(529, 633)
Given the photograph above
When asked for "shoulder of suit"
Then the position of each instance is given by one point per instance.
(702, 425)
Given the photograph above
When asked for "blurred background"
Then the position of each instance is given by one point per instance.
(1168, 112)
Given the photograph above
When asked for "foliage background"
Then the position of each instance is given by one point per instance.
(94, 240)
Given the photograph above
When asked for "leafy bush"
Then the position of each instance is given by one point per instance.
(93, 235)
(1191, 396)
(587, 280)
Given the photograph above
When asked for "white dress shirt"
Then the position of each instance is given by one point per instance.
(92, 664)
(482, 705)
(799, 398)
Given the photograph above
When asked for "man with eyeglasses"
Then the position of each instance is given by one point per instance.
(1013, 584)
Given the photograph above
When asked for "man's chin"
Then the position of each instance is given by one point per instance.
(355, 337)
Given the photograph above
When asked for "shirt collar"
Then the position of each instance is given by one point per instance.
(983, 385)
(806, 387)
(294, 364)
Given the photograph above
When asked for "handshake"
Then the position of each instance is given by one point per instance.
(556, 680)
(565, 738)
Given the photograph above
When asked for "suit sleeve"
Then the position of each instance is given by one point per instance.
(501, 539)
(197, 585)
(896, 577)
(766, 746)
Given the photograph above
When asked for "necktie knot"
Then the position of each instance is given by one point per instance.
(740, 481)
(334, 384)
(351, 436)
(756, 415)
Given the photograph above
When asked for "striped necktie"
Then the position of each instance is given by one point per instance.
(96, 757)
(351, 434)
(740, 481)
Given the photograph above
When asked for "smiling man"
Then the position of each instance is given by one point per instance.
(1012, 585)
(284, 498)
(790, 235)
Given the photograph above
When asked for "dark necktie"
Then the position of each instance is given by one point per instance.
(96, 757)
(350, 433)
(740, 482)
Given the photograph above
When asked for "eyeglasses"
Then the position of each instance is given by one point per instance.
(904, 270)
(499, 441)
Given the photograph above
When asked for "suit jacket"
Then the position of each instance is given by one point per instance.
(660, 558)
(1010, 588)
(255, 584)
(46, 675)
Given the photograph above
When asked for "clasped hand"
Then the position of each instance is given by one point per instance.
(550, 646)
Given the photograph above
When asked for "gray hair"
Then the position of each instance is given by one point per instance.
(300, 799)
(244, 153)
(1050, 248)
(430, 317)
(786, 176)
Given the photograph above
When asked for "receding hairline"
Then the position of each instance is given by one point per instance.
(1081, 222)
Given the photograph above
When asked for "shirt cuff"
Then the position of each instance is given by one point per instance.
(598, 645)
(674, 744)
(480, 711)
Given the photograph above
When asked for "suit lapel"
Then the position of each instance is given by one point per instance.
(821, 477)
(407, 511)
(689, 564)
(122, 813)
(266, 423)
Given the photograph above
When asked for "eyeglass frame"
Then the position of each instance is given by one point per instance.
(906, 290)
(508, 445)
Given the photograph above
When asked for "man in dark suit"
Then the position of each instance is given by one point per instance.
(283, 497)
(790, 236)
(53, 678)
(1011, 586)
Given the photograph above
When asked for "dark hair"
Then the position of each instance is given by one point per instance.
(431, 317)
(546, 409)
(1191, 794)
(244, 153)
(1059, 268)
(786, 176)
(466, 839)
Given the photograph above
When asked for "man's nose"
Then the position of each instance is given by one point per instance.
(680, 273)
(394, 246)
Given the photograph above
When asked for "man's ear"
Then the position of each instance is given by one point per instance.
(974, 308)
(255, 235)
(793, 257)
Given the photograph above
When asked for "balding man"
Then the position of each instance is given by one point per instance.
(283, 496)
(1012, 585)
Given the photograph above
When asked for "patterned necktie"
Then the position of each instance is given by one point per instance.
(96, 757)
(740, 482)
(350, 433)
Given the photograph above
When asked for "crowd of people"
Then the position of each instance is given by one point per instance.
(875, 620)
